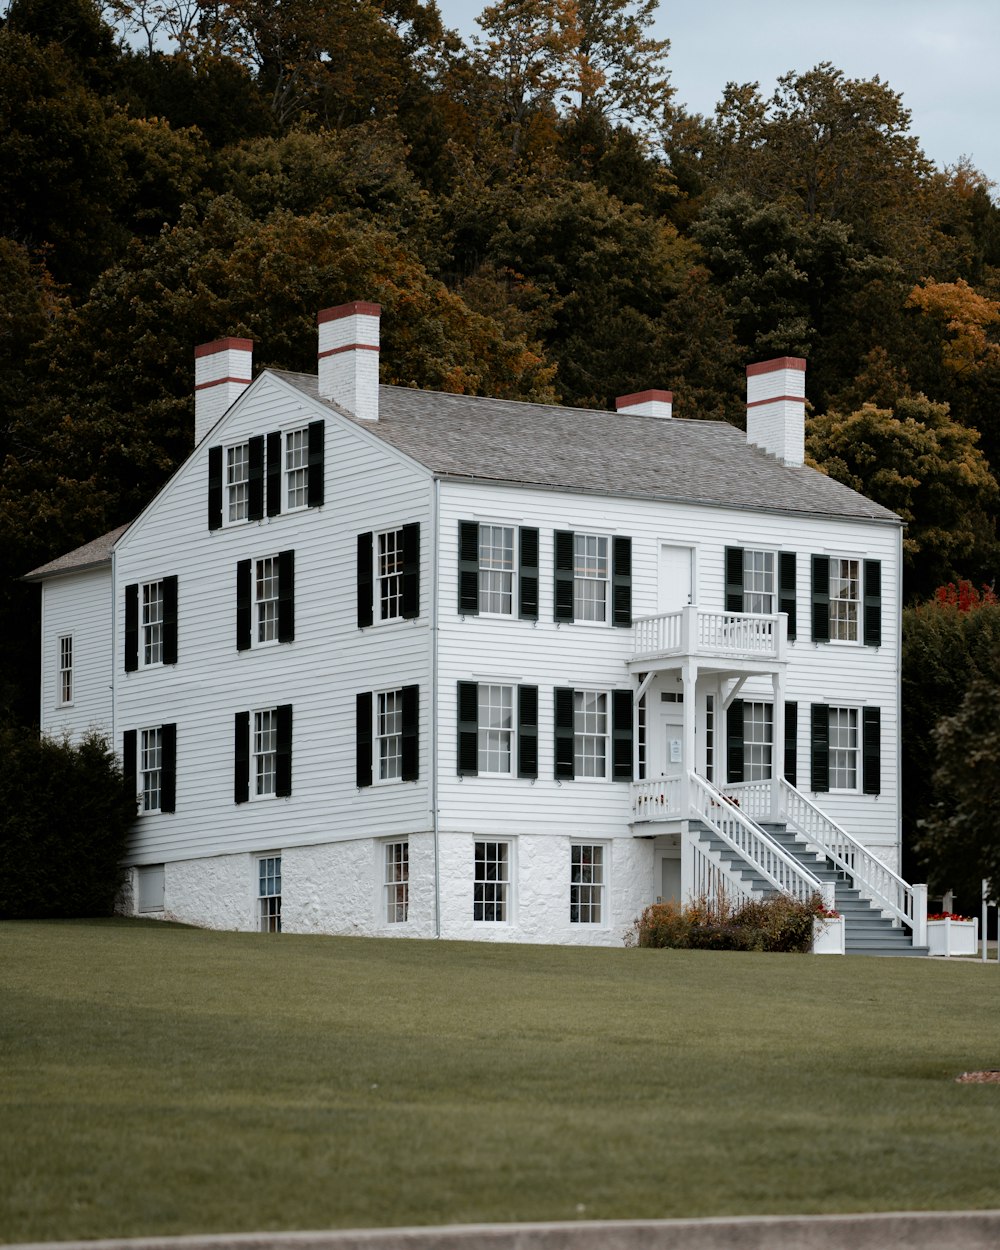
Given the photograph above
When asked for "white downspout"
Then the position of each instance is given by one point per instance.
(435, 567)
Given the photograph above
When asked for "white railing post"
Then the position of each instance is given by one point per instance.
(919, 915)
(687, 865)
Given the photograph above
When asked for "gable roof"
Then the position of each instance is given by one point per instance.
(90, 556)
(464, 437)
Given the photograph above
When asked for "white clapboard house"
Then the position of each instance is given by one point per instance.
(386, 661)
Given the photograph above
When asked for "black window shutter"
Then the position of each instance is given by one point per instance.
(131, 627)
(468, 729)
(255, 478)
(410, 764)
(871, 752)
(170, 620)
(786, 588)
(734, 579)
(244, 604)
(527, 731)
(215, 488)
(366, 574)
(283, 752)
(527, 574)
(363, 739)
(316, 482)
(791, 743)
(563, 609)
(286, 596)
(273, 491)
(468, 568)
(734, 741)
(819, 778)
(873, 607)
(564, 764)
(820, 599)
(168, 768)
(621, 735)
(411, 571)
(129, 762)
(621, 585)
(241, 755)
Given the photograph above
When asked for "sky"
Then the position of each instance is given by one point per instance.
(943, 58)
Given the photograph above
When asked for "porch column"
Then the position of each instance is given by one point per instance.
(777, 741)
(689, 681)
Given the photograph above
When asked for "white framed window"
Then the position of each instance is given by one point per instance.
(297, 469)
(496, 729)
(265, 753)
(591, 574)
(389, 575)
(709, 736)
(396, 882)
(844, 748)
(586, 884)
(152, 623)
(491, 882)
(266, 589)
(496, 569)
(269, 894)
(66, 669)
(590, 734)
(151, 768)
(389, 734)
(758, 581)
(237, 482)
(758, 736)
(845, 599)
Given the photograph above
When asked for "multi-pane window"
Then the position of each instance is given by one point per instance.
(152, 623)
(590, 734)
(590, 577)
(496, 569)
(845, 597)
(709, 736)
(491, 884)
(758, 735)
(151, 768)
(269, 894)
(586, 888)
(390, 574)
(758, 581)
(843, 748)
(265, 751)
(266, 586)
(496, 728)
(66, 668)
(238, 482)
(397, 882)
(297, 468)
(389, 735)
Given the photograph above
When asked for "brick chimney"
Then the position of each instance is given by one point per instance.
(647, 404)
(776, 407)
(222, 372)
(348, 357)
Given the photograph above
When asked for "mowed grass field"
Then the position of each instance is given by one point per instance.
(157, 1079)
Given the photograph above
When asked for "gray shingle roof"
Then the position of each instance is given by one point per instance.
(608, 453)
(90, 555)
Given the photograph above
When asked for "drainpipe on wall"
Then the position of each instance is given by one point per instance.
(435, 557)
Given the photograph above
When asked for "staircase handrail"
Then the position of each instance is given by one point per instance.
(755, 845)
(872, 878)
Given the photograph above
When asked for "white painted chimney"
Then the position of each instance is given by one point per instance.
(647, 404)
(776, 407)
(222, 372)
(348, 357)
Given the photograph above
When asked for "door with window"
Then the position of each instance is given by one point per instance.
(671, 735)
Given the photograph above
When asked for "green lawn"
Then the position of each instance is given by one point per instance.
(156, 1079)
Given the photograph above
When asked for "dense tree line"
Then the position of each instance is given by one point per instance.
(537, 212)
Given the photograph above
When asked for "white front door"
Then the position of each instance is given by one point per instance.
(671, 737)
(676, 589)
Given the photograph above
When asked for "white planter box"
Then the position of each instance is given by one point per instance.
(828, 936)
(953, 937)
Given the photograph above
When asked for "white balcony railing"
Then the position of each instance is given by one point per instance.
(691, 631)
(658, 800)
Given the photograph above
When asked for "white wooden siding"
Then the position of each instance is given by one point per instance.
(78, 604)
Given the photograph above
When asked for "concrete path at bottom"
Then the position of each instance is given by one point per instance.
(913, 1230)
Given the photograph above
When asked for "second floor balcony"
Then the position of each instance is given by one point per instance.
(722, 636)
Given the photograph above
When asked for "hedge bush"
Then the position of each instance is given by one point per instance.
(773, 924)
(65, 813)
